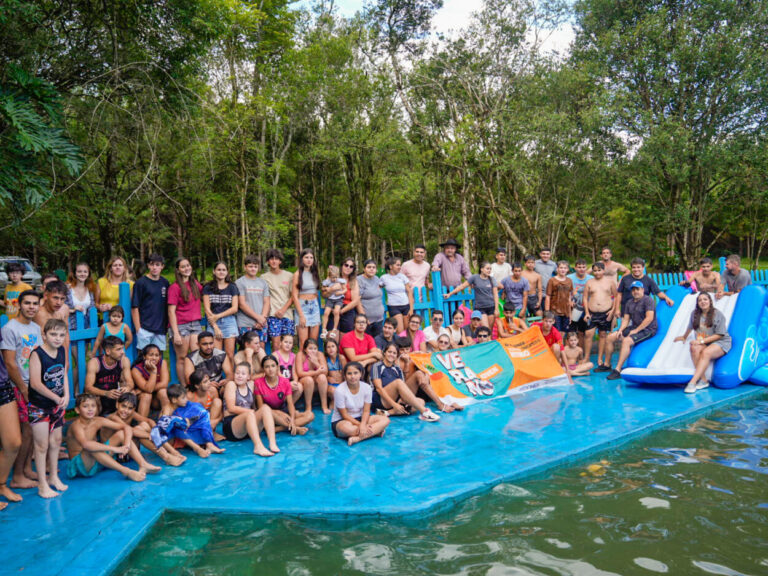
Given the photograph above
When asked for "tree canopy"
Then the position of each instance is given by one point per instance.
(214, 129)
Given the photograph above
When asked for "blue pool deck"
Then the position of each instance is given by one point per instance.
(415, 469)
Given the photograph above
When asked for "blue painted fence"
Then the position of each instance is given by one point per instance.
(425, 301)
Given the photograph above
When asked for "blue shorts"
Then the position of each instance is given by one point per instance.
(404, 310)
(311, 310)
(228, 326)
(263, 335)
(144, 338)
(76, 467)
(189, 329)
(277, 327)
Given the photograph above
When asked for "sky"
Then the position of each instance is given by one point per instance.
(455, 14)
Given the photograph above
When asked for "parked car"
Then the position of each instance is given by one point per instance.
(31, 276)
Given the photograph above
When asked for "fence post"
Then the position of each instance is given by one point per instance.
(125, 304)
(437, 295)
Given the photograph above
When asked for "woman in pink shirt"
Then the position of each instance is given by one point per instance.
(275, 391)
(413, 331)
(311, 369)
(184, 313)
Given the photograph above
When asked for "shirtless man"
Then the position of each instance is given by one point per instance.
(53, 305)
(599, 294)
(536, 292)
(612, 269)
(87, 455)
(707, 280)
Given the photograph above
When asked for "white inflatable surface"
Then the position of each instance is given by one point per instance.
(674, 358)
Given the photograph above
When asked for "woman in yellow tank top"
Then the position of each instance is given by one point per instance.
(109, 284)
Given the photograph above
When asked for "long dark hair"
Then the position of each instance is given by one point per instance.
(193, 283)
(709, 315)
(140, 357)
(352, 279)
(247, 338)
(214, 283)
(312, 269)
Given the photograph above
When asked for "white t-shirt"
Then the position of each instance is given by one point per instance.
(431, 337)
(354, 403)
(501, 271)
(395, 284)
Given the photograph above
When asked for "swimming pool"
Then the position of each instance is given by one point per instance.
(690, 499)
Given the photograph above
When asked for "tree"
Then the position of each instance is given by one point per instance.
(684, 83)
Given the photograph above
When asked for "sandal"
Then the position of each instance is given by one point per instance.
(429, 416)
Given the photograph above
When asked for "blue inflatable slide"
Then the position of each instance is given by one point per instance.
(660, 360)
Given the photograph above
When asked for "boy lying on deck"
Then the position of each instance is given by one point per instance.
(87, 456)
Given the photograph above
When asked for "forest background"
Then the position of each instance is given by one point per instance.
(218, 128)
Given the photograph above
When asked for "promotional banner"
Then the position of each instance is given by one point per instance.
(492, 369)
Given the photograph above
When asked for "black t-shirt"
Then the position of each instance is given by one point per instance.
(221, 300)
(151, 298)
(636, 310)
(649, 287)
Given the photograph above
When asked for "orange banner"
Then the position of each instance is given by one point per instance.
(493, 369)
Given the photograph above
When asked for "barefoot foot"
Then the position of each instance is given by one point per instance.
(31, 474)
(218, 437)
(47, 492)
(23, 482)
(352, 440)
(326, 410)
(261, 451)
(150, 468)
(301, 430)
(136, 475)
(58, 484)
(274, 448)
(213, 449)
(9, 494)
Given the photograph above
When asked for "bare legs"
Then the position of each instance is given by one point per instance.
(282, 420)
(188, 344)
(249, 423)
(702, 355)
(10, 438)
(356, 433)
(47, 460)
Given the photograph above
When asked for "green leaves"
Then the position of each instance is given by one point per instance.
(32, 140)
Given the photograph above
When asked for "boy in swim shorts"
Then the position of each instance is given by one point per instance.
(48, 398)
(599, 295)
(87, 456)
(141, 427)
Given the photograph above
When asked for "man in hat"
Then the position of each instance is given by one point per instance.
(637, 324)
(452, 266)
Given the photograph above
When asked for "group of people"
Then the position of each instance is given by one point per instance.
(244, 373)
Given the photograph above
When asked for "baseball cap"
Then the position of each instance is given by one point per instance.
(637, 284)
(476, 314)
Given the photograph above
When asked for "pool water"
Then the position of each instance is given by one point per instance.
(686, 500)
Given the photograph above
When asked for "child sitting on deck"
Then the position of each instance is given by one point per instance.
(352, 419)
(573, 356)
(127, 414)
(185, 420)
(201, 390)
(87, 455)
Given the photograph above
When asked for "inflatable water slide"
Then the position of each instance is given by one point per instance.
(660, 360)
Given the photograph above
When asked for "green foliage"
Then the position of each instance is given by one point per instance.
(218, 128)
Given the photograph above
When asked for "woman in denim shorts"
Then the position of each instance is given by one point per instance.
(184, 313)
(220, 298)
(306, 283)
